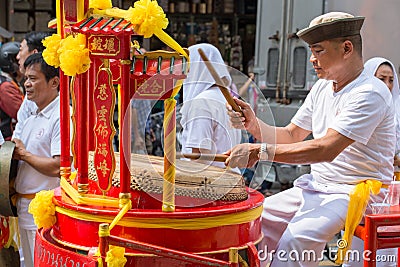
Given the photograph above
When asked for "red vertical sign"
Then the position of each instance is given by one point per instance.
(104, 130)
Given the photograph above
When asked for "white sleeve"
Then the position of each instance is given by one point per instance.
(303, 117)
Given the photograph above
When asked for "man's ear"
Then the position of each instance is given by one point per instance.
(55, 82)
(347, 47)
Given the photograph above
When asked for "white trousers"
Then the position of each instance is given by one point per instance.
(28, 245)
(297, 224)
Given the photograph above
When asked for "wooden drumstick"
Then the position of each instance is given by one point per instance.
(209, 157)
(219, 82)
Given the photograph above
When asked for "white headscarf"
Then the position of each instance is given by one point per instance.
(371, 66)
(199, 78)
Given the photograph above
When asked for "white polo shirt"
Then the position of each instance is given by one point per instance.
(362, 111)
(41, 136)
(26, 109)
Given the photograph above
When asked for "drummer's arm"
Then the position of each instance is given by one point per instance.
(324, 149)
(291, 133)
(49, 166)
(246, 119)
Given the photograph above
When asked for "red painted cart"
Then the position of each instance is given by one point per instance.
(102, 208)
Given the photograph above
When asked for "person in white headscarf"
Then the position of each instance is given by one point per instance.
(205, 123)
(384, 70)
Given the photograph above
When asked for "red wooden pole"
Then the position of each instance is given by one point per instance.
(125, 129)
(92, 111)
(82, 133)
(65, 159)
(104, 234)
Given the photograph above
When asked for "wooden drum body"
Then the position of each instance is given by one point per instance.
(200, 226)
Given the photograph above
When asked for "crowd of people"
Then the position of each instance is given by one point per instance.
(349, 111)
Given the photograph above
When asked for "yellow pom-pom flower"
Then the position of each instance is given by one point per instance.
(74, 55)
(100, 4)
(115, 257)
(50, 54)
(43, 209)
(147, 17)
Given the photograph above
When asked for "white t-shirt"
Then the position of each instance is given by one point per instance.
(26, 109)
(41, 136)
(362, 111)
(206, 124)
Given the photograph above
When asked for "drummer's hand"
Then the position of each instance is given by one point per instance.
(247, 121)
(243, 155)
(19, 150)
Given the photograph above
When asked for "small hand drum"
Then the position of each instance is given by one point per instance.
(8, 172)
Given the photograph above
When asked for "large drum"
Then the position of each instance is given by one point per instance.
(8, 172)
(214, 213)
(192, 179)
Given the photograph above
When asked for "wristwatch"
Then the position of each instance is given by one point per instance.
(263, 153)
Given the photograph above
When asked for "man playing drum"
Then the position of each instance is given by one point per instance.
(350, 115)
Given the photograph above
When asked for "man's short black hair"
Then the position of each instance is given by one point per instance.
(48, 71)
(34, 40)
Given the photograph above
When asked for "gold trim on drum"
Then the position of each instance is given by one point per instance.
(87, 199)
(124, 199)
(68, 244)
(84, 248)
(83, 188)
(125, 61)
(170, 223)
(227, 249)
(233, 255)
(65, 172)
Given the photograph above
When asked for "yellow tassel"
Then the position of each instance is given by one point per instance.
(74, 55)
(115, 257)
(70, 54)
(50, 54)
(148, 19)
(43, 209)
(359, 198)
(147, 16)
